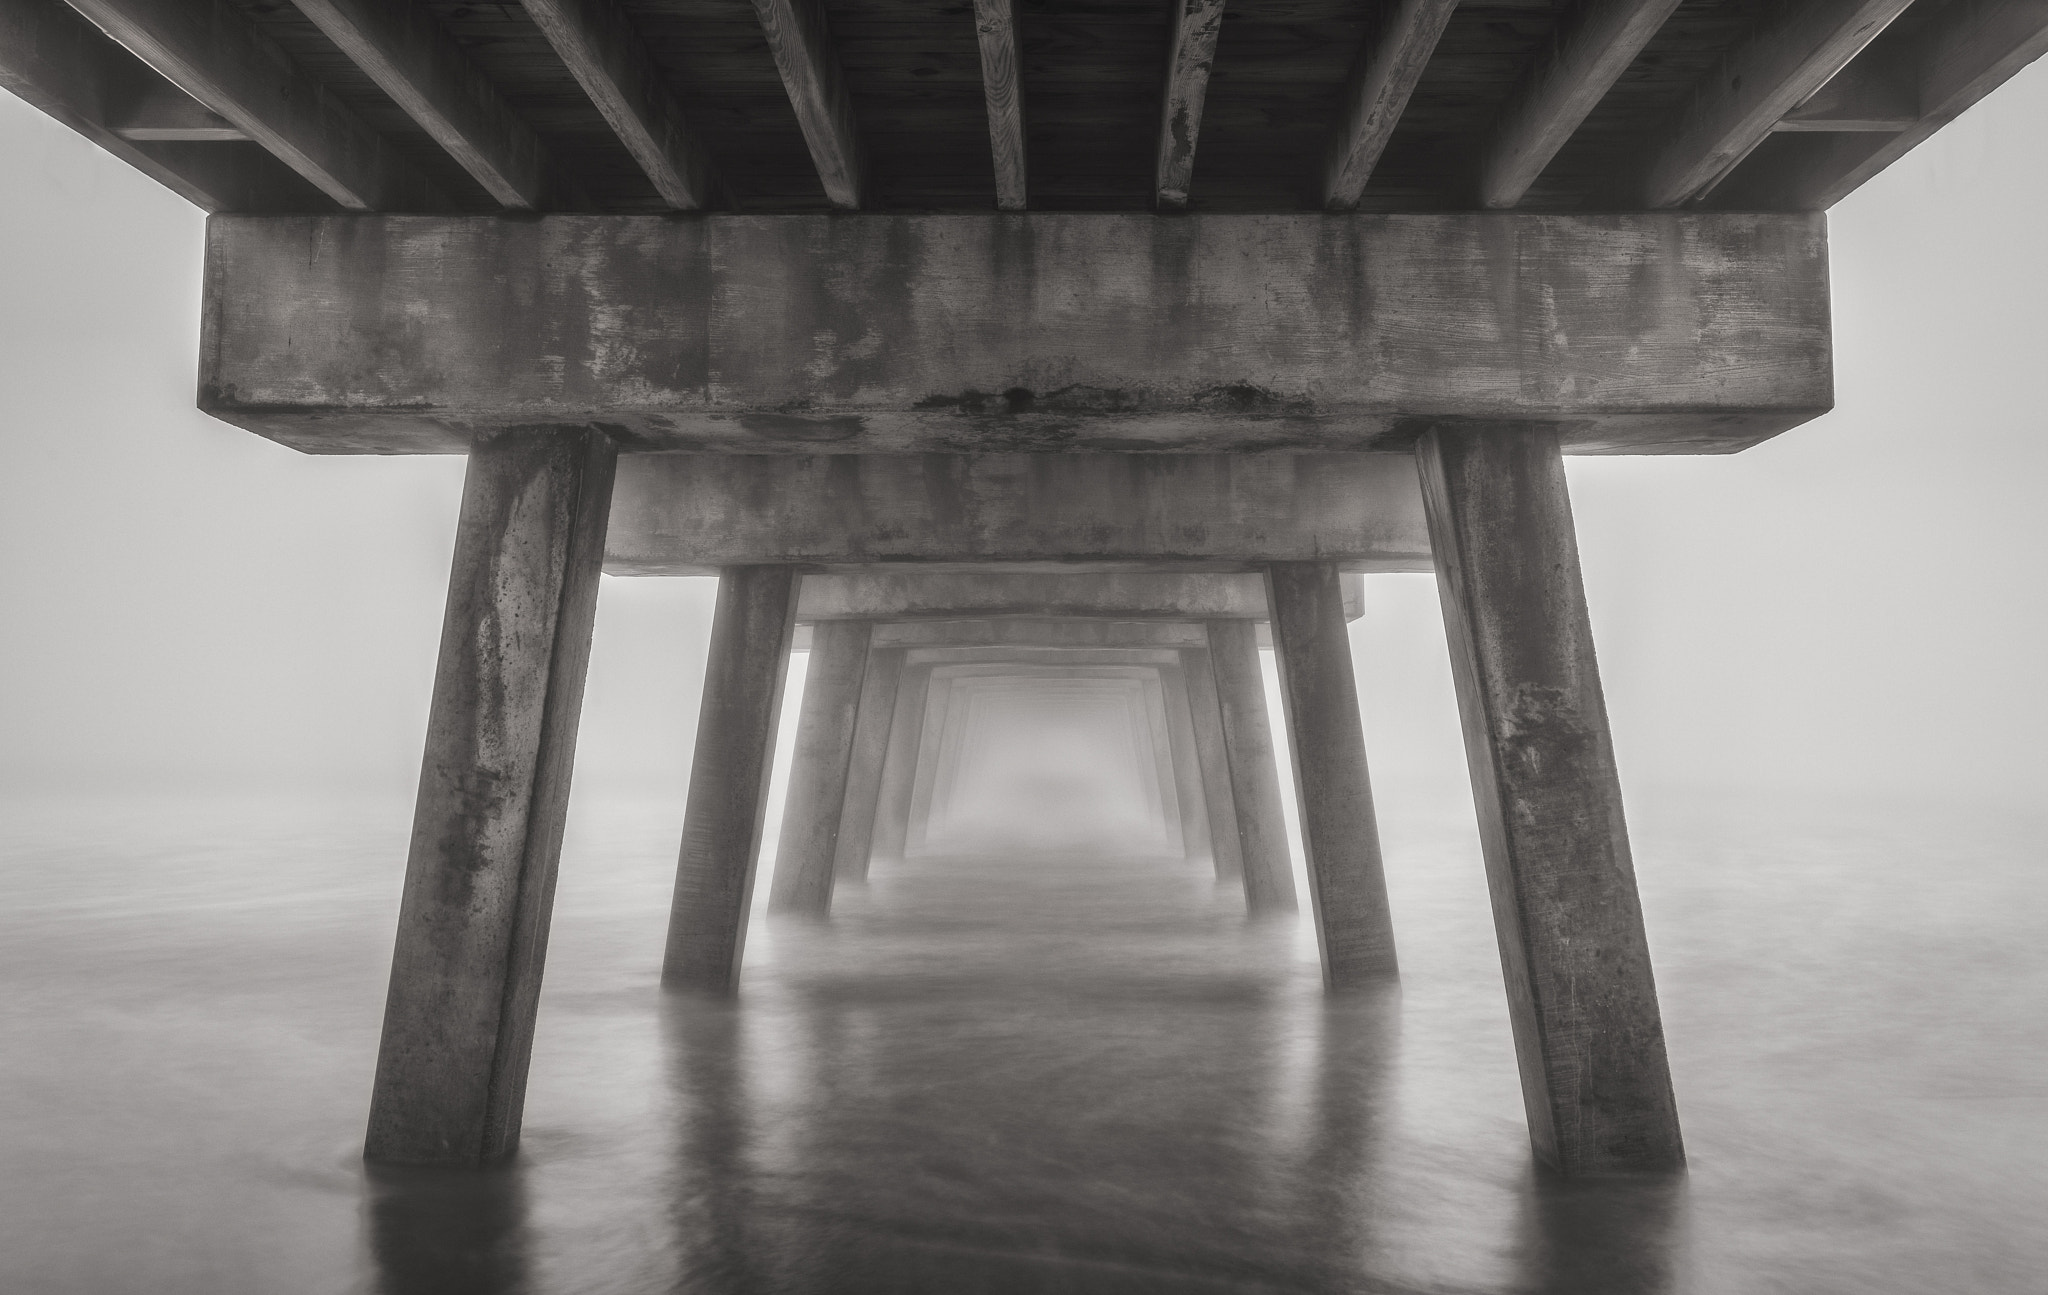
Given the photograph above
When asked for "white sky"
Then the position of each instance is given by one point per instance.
(1855, 607)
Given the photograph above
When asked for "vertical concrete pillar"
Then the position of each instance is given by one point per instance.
(751, 630)
(1339, 835)
(1254, 771)
(818, 769)
(899, 769)
(1588, 1033)
(1187, 767)
(493, 800)
(871, 724)
(1213, 764)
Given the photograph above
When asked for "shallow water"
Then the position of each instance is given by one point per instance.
(1045, 1073)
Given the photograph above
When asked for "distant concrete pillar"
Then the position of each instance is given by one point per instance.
(872, 721)
(899, 769)
(751, 630)
(1333, 792)
(493, 800)
(818, 769)
(1187, 766)
(1212, 761)
(1254, 770)
(1581, 996)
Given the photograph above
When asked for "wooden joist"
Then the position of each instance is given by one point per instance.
(399, 46)
(168, 113)
(1191, 52)
(56, 61)
(608, 58)
(1382, 78)
(1863, 97)
(213, 52)
(801, 41)
(1002, 80)
(1779, 66)
(1947, 65)
(1588, 57)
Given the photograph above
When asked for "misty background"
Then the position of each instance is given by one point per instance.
(1853, 612)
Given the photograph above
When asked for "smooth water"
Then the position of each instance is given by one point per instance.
(1049, 1073)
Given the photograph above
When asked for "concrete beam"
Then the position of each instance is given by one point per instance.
(1333, 792)
(728, 802)
(686, 514)
(1018, 635)
(493, 800)
(1037, 332)
(1581, 996)
(949, 595)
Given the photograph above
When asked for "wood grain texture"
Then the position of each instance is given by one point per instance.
(426, 73)
(801, 41)
(1581, 995)
(1946, 65)
(1333, 791)
(728, 800)
(1040, 332)
(872, 719)
(1784, 61)
(213, 52)
(684, 513)
(601, 48)
(1254, 768)
(1383, 76)
(1575, 73)
(493, 801)
(1190, 54)
(820, 765)
(60, 64)
(1002, 80)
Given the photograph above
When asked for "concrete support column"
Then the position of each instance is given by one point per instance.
(871, 724)
(1254, 772)
(1186, 760)
(1212, 763)
(736, 722)
(899, 769)
(811, 816)
(493, 800)
(1588, 1033)
(1339, 835)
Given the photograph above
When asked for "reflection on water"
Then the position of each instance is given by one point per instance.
(1043, 1073)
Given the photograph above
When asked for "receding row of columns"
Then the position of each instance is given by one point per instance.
(493, 792)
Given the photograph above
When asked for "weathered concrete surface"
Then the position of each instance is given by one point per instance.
(863, 797)
(945, 595)
(1580, 991)
(815, 804)
(690, 514)
(899, 769)
(722, 823)
(1212, 760)
(1339, 834)
(1254, 769)
(1030, 332)
(1024, 633)
(493, 799)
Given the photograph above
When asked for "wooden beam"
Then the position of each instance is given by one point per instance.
(168, 113)
(1862, 98)
(1002, 84)
(1592, 50)
(608, 58)
(1960, 55)
(214, 52)
(398, 45)
(1773, 70)
(1190, 53)
(801, 41)
(1039, 331)
(1382, 77)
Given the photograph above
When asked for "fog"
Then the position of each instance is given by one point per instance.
(1852, 610)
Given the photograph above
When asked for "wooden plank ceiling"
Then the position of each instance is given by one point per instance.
(966, 105)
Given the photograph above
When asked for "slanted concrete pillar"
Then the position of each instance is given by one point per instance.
(1580, 992)
(493, 799)
(1254, 772)
(736, 722)
(818, 769)
(1212, 764)
(899, 769)
(872, 720)
(1186, 759)
(1339, 835)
